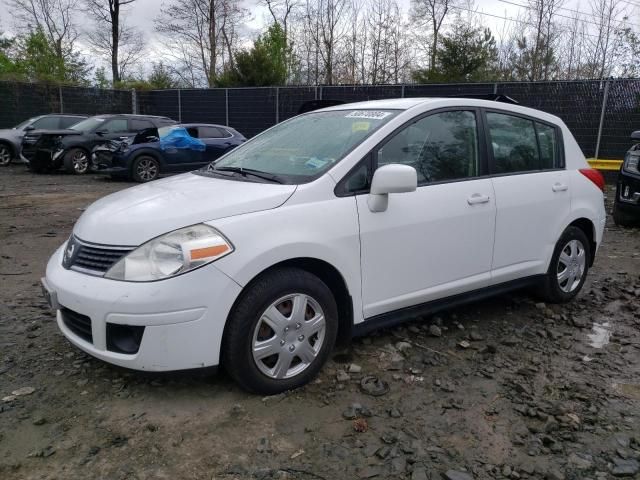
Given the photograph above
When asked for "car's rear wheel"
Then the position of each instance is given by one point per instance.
(569, 267)
(145, 169)
(280, 332)
(623, 219)
(5, 154)
(76, 161)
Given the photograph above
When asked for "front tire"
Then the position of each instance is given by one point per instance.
(6, 154)
(568, 268)
(280, 332)
(145, 169)
(76, 161)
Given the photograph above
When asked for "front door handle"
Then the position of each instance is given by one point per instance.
(560, 187)
(477, 198)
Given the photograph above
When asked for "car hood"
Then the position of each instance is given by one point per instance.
(10, 133)
(135, 215)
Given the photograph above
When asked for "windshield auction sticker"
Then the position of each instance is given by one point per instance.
(370, 114)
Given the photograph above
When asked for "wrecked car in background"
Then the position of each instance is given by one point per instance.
(177, 148)
(47, 150)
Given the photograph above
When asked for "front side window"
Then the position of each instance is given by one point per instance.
(514, 144)
(115, 126)
(303, 148)
(441, 147)
(66, 122)
(89, 125)
(46, 123)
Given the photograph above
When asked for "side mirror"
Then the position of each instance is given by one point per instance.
(101, 132)
(28, 128)
(393, 178)
(635, 136)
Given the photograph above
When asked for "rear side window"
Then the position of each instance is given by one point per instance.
(139, 125)
(548, 146)
(66, 122)
(442, 146)
(521, 145)
(212, 132)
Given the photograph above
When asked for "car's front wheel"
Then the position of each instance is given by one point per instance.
(5, 154)
(569, 267)
(145, 169)
(280, 332)
(76, 161)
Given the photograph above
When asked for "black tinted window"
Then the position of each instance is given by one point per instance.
(212, 132)
(513, 141)
(66, 122)
(443, 146)
(116, 125)
(139, 125)
(46, 123)
(548, 146)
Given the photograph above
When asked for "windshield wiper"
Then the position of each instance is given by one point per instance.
(249, 171)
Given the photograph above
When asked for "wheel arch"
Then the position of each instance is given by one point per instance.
(589, 229)
(12, 148)
(331, 276)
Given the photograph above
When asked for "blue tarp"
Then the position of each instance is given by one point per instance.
(180, 138)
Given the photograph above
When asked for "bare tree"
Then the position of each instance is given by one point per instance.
(200, 36)
(121, 44)
(431, 14)
(607, 16)
(54, 17)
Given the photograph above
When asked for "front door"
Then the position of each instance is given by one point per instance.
(436, 241)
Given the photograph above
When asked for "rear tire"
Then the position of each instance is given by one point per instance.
(76, 161)
(145, 169)
(6, 154)
(280, 332)
(568, 268)
(623, 219)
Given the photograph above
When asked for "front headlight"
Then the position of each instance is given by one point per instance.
(631, 163)
(172, 254)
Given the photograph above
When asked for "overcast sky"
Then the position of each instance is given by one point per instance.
(143, 12)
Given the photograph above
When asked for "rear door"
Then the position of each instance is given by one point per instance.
(436, 241)
(217, 141)
(532, 193)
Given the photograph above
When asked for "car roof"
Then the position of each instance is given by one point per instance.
(442, 102)
(186, 125)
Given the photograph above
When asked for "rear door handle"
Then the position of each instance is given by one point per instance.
(560, 187)
(477, 198)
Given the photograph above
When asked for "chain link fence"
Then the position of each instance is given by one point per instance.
(601, 114)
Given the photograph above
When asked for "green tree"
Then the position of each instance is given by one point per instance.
(467, 54)
(8, 67)
(100, 79)
(36, 59)
(263, 65)
(161, 77)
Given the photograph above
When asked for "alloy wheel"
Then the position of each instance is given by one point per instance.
(5, 155)
(571, 266)
(80, 162)
(147, 169)
(289, 336)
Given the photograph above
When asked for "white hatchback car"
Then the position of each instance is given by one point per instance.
(327, 226)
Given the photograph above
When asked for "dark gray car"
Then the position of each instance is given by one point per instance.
(11, 138)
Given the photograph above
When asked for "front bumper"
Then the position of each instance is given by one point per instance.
(183, 317)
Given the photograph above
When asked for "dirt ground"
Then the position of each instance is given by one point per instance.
(507, 388)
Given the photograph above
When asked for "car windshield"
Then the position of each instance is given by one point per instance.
(88, 125)
(303, 148)
(26, 123)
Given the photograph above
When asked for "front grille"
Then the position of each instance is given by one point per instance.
(94, 259)
(76, 322)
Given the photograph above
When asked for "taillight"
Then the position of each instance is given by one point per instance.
(595, 176)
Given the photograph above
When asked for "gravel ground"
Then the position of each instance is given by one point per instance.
(507, 388)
